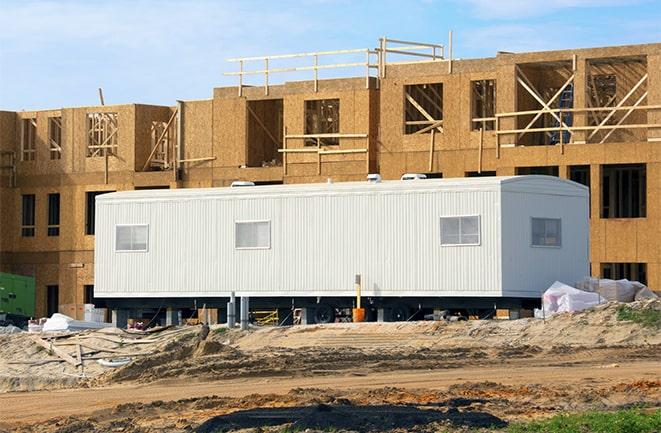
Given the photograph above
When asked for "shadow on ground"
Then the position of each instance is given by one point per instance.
(348, 417)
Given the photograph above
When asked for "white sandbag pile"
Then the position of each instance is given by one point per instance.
(616, 290)
(59, 322)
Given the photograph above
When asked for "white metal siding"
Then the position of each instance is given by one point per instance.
(322, 235)
(319, 241)
(529, 270)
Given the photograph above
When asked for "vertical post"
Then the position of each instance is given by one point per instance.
(450, 52)
(284, 147)
(562, 133)
(431, 149)
(231, 311)
(240, 77)
(316, 73)
(318, 155)
(382, 69)
(245, 311)
(367, 68)
(479, 158)
(266, 76)
(105, 172)
(496, 126)
(180, 138)
(358, 287)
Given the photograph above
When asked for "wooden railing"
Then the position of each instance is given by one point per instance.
(319, 150)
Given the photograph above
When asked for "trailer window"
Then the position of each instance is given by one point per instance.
(546, 232)
(131, 237)
(252, 235)
(464, 230)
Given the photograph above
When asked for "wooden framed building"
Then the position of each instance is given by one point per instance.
(589, 115)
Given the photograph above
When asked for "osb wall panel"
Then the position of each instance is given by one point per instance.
(8, 131)
(198, 134)
(229, 132)
(654, 93)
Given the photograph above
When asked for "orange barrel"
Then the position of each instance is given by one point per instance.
(358, 314)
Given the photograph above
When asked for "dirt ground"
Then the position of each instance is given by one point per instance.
(377, 377)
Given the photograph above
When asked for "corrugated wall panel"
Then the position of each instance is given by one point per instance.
(319, 242)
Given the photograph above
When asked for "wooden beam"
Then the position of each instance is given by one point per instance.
(480, 149)
(631, 92)
(436, 126)
(546, 108)
(260, 123)
(431, 150)
(50, 347)
(624, 117)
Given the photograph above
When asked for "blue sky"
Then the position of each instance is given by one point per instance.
(57, 53)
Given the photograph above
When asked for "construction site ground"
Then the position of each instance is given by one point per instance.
(377, 377)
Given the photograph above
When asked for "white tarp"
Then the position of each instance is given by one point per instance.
(561, 298)
(616, 290)
(60, 322)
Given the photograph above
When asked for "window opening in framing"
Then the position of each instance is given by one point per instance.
(265, 131)
(613, 82)
(551, 170)
(423, 108)
(28, 139)
(90, 212)
(52, 299)
(55, 137)
(629, 271)
(102, 134)
(433, 175)
(483, 105)
(623, 191)
(544, 88)
(162, 140)
(322, 116)
(480, 174)
(27, 215)
(53, 214)
(89, 293)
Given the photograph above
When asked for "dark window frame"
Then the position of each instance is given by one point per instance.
(28, 215)
(53, 228)
(485, 108)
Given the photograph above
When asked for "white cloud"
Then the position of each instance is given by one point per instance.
(515, 9)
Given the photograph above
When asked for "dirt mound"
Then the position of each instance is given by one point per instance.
(458, 408)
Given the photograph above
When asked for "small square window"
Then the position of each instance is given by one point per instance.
(252, 235)
(546, 232)
(131, 237)
(463, 230)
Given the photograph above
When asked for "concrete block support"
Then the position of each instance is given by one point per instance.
(231, 314)
(381, 315)
(172, 317)
(305, 319)
(120, 318)
(245, 312)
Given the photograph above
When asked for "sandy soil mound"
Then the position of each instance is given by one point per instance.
(357, 349)
(458, 409)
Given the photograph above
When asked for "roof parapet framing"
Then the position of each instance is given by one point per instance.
(375, 59)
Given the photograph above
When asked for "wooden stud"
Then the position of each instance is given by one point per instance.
(431, 150)
(479, 158)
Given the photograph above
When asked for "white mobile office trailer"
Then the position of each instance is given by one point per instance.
(434, 243)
